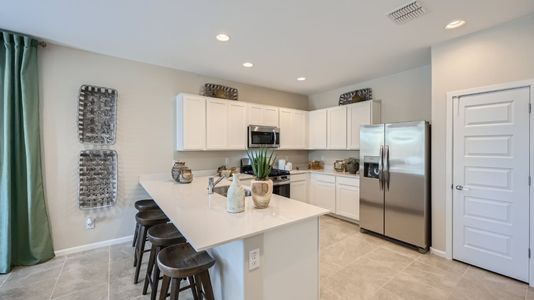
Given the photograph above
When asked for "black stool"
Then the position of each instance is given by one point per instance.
(181, 261)
(142, 205)
(160, 236)
(145, 219)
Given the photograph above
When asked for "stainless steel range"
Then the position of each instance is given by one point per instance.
(279, 177)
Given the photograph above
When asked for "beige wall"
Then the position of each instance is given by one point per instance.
(498, 55)
(405, 96)
(145, 134)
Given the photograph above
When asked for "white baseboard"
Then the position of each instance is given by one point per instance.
(92, 246)
(437, 252)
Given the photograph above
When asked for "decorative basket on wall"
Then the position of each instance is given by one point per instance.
(97, 185)
(97, 115)
(219, 91)
(356, 96)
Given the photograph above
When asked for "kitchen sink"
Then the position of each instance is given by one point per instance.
(223, 191)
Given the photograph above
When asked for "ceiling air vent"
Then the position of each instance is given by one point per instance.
(407, 13)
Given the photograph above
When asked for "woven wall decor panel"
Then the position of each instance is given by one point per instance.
(97, 115)
(97, 185)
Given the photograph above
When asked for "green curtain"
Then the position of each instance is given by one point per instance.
(24, 231)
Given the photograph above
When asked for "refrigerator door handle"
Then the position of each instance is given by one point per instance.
(386, 167)
(381, 168)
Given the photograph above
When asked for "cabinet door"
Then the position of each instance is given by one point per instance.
(337, 128)
(286, 129)
(348, 201)
(358, 114)
(323, 194)
(299, 191)
(237, 125)
(317, 129)
(191, 122)
(255, 115)
(216, 125)
(299, 130)
(270, 116)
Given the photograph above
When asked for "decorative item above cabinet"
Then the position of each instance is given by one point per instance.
(219, 91)
(356, 96)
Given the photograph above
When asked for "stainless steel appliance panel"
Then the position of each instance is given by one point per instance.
(263, 136)
(371, 183)
(406, 182)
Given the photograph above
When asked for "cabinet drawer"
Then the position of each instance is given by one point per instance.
(324, 178)
(352, 181)
(298, 177)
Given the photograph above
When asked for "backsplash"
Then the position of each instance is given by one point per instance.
(208, 160)
(330, 156)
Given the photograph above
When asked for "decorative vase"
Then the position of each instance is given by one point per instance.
(235, 199)
(262, 191)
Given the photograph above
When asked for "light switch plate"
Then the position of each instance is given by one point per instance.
(254, 259)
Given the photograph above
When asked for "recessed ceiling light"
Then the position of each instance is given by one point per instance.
(223, 37)
(248, 64)
(301, 78)
(455, 24)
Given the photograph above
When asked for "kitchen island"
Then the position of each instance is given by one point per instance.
(286, 234)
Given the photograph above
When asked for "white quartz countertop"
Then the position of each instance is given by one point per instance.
(203, 219)
(326, 172)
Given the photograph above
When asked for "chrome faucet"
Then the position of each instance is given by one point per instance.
(212, 183)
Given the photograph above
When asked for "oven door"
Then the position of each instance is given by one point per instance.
(263, 137)
(282, 189)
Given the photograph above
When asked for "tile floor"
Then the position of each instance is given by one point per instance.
(353, 266)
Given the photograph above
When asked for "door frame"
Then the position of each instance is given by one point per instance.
(449, 147)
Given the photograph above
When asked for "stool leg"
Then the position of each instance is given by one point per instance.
(206, 284)
(140, 252)
(175, 286)
(149, 268)
(155, 278)
(193, 285)
(164, 288)
(136, 232)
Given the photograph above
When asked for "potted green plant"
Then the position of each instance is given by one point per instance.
(261, 186)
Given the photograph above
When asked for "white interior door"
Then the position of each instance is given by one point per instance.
(491, 181)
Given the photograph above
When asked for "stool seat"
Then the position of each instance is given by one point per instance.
(151, 217)
(165, 235)
(181, 261)
(146, 204)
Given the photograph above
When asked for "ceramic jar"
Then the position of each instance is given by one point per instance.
(262, 190)
(180, 173)
(235, 199)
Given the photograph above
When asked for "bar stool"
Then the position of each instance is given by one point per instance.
(181, 261)
(160, 236)
(142, 205)
(145, 219)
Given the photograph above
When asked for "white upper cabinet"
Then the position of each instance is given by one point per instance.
(225, 124)
(317, 129)
(237, 125)
(262, 115)
(337, 127)
(216, 124)
(362, 113)
(293, 129)
(190, 122)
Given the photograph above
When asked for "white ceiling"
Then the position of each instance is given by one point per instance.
(331, 42)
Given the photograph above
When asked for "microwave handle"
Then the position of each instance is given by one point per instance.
(274, 133)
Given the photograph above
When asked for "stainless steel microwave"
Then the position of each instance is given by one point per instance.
(263, 136)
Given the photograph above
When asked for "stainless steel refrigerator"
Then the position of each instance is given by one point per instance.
(395, 181)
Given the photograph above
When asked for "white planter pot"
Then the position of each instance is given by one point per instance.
(262, 190)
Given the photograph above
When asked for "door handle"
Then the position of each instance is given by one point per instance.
(386, 167)
(461, 188)
(380, 168)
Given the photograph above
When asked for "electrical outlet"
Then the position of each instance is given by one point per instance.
(90, 223)
(254, 259)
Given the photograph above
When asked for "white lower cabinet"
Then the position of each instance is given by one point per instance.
(323, 191)
(339, 194)
(299, 187)
(348, 197)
